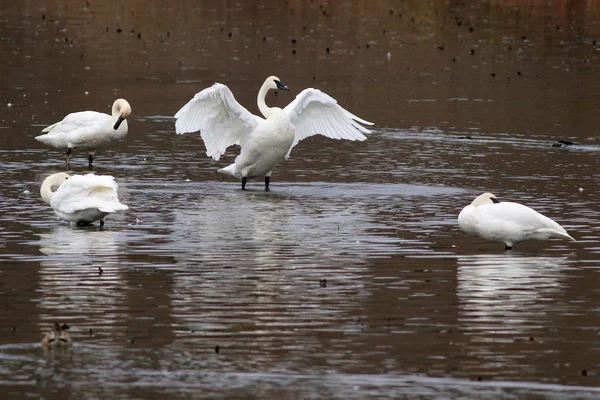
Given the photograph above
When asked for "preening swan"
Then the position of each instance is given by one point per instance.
(264, 142)
(82, 199)
(88, 130)
(507, 222)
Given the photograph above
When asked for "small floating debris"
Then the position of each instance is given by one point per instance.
(465, 138)
(563, 143)
(58, 336)
(26, 191)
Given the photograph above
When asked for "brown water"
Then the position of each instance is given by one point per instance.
(350, 279)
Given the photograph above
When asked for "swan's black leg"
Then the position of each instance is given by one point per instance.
(101, 222)
(244, 180)
(507, 247)
(90, 160)
(267, 181)
(68, 158)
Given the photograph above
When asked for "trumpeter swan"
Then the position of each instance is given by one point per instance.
(264, 142)
(82, 199)
(88, 130)
(507, 222)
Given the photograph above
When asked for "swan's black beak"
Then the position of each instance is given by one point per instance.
(494, 200)
(121, 119)
(281, 86)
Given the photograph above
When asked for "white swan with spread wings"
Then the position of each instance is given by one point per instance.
(264, 142)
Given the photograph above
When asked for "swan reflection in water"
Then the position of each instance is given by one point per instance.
(79, 273)
(506, 293)
(269, 229)
(259, 259)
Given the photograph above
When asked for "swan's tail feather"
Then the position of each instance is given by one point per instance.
(229, 170)
(43, 138)
(557, 234)
(113, 208)
(569, 237)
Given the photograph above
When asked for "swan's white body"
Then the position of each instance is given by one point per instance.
(264, 142)
(507, 222)
(82, 199)
(88, 130)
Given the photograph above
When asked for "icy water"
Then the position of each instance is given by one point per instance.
(350, 279)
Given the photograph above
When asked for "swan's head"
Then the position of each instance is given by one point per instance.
(486, 198)
(53, 181)
(57, 179)
(121, 109)
(275, 83)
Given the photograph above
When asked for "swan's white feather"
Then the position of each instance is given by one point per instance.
(221, 120)
(83, 130)
(316, 113)
(91, 195)
(509, 222)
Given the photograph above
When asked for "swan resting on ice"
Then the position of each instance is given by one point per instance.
(264, 142)
(88, 130)
(82, 199)
(507, 222)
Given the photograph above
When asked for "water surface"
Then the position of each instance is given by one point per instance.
(350, 279)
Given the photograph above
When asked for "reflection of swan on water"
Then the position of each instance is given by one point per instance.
(262, 256)
(506, 292)
(77, 245)
(271, 230)
(70, 279)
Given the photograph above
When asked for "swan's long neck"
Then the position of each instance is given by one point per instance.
(46, 190)
(262, 106)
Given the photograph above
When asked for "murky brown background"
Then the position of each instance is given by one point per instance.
(411, 308)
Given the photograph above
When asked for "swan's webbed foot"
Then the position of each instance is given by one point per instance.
(267, 181)
(101, 222)
(83, 223)
(90, 161)
(244, 181)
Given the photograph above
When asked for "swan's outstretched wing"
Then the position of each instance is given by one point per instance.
(316, 113)
(221, 120)
(81, 192)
